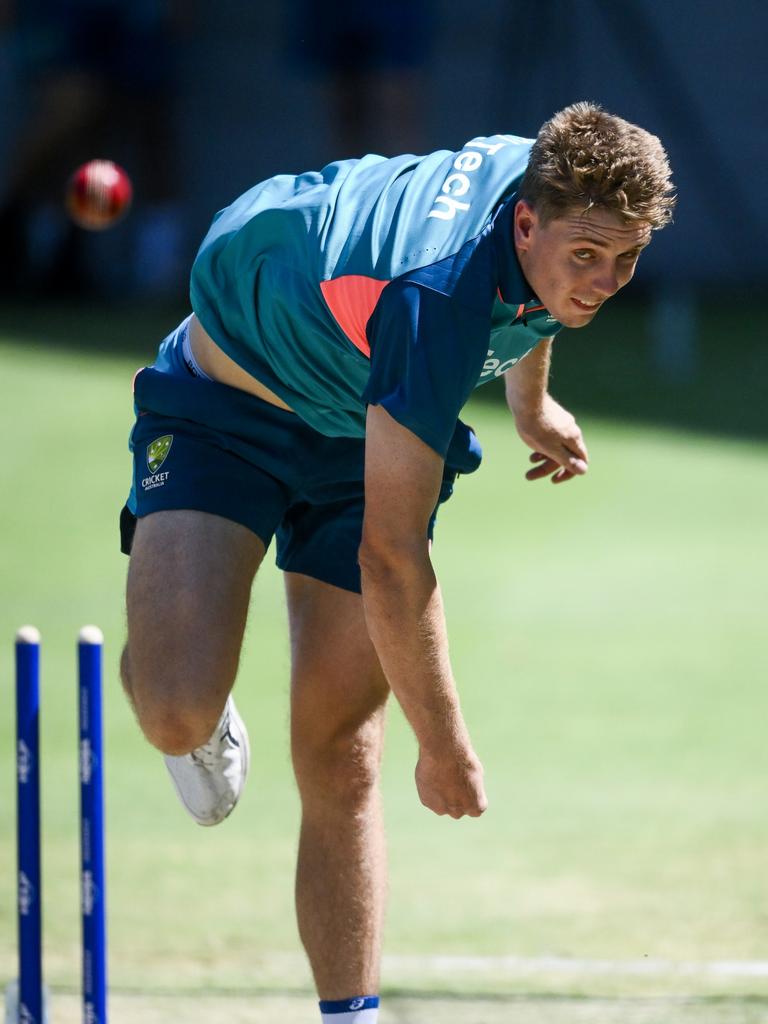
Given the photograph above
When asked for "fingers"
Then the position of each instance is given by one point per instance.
(471, 806)
(456, 811)
(562, 476)
(563, 470)
(452, 787)
(545, 467)
(476, 805)
(578, 448)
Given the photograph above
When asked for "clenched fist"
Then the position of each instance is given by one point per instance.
(451, 782)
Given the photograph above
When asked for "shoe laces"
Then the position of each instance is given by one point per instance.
(208, 754)
(204, 756)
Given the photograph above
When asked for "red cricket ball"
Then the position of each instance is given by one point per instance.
(99, 194)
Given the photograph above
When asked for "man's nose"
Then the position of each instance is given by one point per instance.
(606, 284)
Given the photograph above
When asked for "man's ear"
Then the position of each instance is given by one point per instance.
(526, 221)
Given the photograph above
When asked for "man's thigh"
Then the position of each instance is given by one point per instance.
(189, 584)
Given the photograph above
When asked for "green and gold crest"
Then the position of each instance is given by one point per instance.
(157, 452)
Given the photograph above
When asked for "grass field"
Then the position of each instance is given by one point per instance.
(609, 640)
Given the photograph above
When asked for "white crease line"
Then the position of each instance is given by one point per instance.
(566, 965)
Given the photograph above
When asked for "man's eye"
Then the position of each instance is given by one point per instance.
(583, 254)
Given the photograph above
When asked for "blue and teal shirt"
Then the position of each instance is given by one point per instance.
(392, 282)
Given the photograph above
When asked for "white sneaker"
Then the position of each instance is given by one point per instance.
(209, 781)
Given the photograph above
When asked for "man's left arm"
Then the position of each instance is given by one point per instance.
(545, 426)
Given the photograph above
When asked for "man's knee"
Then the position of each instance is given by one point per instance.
(341, 771)
(174, 733)
(162, 700)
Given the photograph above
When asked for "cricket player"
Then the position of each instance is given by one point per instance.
(341, 319)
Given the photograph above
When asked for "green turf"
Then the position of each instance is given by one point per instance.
(127, 1008)
(609, 641)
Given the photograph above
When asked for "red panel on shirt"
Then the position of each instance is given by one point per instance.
(352, 299)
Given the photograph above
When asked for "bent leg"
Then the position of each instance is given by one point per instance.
(189, 585)
(338, 698)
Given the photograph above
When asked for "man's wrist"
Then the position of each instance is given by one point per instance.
(527, 407)
(443, 735)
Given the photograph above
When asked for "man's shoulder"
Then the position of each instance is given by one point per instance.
(466, 278)
(394, 216)
(478, 177)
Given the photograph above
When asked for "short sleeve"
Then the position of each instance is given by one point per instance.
(427, 352)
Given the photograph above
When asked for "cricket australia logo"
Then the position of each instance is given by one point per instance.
(157, 452)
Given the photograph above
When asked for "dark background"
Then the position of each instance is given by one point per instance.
(200, 100)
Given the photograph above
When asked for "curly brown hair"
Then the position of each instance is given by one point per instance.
(584, 157)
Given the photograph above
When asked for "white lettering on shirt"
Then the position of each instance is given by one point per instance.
(495, 366)
(462, 186)
(467, 161)
(452, 205)
(459, 184)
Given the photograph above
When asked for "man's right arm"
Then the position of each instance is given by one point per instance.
(404, 612)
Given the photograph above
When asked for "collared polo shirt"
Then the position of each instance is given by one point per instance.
(376, 281)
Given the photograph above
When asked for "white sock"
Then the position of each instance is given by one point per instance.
(357, 1010)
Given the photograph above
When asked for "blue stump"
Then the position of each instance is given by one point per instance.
(93, 889)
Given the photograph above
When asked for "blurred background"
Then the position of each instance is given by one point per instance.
(609, 636)
(200, 101)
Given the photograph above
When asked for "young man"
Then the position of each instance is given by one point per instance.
(341, 320)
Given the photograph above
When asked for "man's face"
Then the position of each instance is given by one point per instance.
(579, 260)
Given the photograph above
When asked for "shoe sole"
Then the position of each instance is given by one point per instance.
(234, 716)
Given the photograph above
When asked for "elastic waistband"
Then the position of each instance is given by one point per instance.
(188, 355)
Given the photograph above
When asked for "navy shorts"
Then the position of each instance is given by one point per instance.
(198, 444)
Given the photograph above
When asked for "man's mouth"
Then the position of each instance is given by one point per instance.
(588, 307)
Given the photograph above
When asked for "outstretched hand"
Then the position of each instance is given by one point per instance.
(558, 447)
